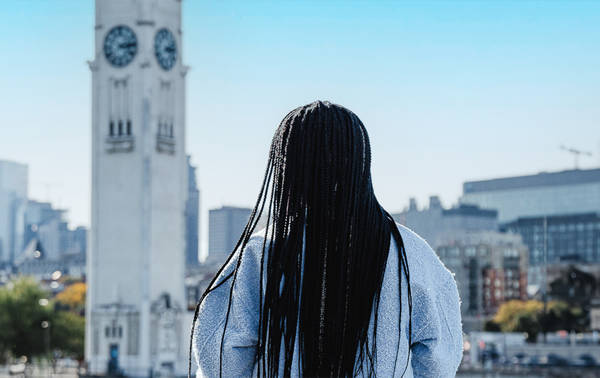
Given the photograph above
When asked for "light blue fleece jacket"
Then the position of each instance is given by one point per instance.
(436, 349)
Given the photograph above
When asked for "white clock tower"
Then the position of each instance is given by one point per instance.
(136, 310)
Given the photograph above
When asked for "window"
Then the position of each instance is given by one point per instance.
(119, 123)
(165, 134)
(166, 107)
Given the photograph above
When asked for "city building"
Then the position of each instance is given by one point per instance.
(490, 268)
(558, 240)
(543, 194)
(556, 212)
(45, 224)
(192, 210)
(49, 244)
(225, 226)
(436, 224)
(137, 323)
(48, 226)
(13, 201)
(30, 265)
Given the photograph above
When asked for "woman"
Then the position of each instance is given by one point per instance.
(332, 286)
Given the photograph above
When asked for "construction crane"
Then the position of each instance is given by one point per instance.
(576, 153)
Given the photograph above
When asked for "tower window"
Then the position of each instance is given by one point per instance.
(165, 106)
(120, 126)
(119, 103)
(165, 132)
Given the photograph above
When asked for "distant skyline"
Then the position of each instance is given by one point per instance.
(449, 91)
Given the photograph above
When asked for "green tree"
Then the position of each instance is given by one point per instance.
(68, 332)
(33, 326)
(491, 326)
(528, 323)
(563, 316)
(22, 312)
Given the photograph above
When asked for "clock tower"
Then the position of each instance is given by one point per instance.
(137, 319)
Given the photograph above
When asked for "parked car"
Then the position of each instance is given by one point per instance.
(555, 360)
(586, 360)
(531, 361)
(519, 358)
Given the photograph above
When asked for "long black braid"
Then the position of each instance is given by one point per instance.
(325, 249)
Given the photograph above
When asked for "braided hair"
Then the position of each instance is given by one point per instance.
(327, 239)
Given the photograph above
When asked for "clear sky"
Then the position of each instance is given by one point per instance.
(449, 91)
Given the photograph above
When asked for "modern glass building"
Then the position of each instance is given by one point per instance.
(573, 238)
(543, 194)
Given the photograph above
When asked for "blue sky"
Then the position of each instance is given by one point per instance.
(449, 91)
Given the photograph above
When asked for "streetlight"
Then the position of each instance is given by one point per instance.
(46, 326)
(545, 284)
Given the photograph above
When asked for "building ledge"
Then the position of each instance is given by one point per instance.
(165, 144)
(120, 143)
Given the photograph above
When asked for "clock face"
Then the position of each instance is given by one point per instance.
(120, 46)
(165, 49)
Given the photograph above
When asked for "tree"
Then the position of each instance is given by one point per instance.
(22, 312)
(68, 332)
(69, 322)
(529, 317)
(509, 313)
(491, 326)
(528, 323)
(562, 316)
(30, 326)
(72, 298)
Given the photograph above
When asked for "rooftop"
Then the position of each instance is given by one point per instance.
(542, 179)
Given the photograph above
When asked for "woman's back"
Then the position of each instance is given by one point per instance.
(436, 339)
(320, 294)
